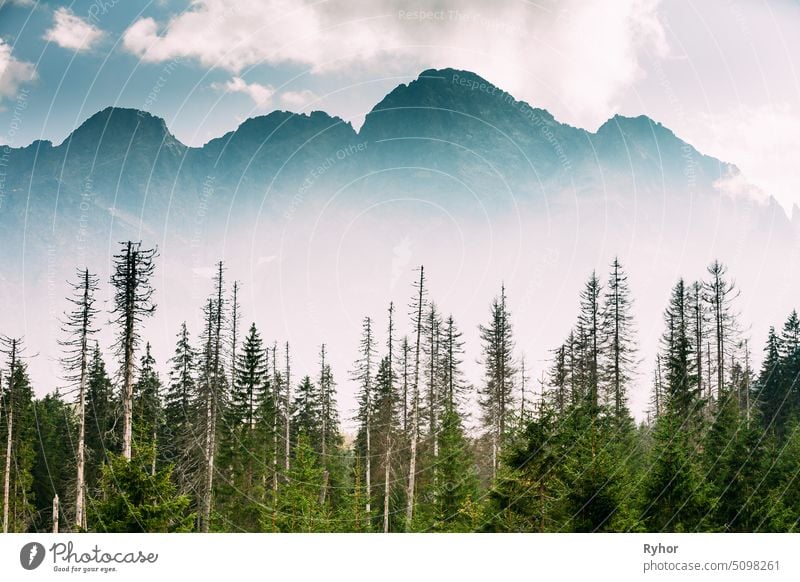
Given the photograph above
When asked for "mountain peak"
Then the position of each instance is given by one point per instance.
(120, 122)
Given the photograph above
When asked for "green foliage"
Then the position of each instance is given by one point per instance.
(132, 500)
(299, 507)
(53, 470)
(18, 397)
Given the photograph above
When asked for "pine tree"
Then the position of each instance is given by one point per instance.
(618, 360)
(720, 294)
(386, 428)
(131, 500)
(212, 393)
(133, 269)
(306, 415)
(249, 379)
(148, 413)
(101, 420)
(698, 318)
(735, 469)
(678, 357)
(363, 374)
(559, 380)
(790, 365)
(433, 379)
(674, 496)
(590, 344)
(453, 379)
(300, 509)
(335, 477)
(78, 326)
(180, 398)
(497, 392)
(456, 487)
(53, 469)
(18, 432)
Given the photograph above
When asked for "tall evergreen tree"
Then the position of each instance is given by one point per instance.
(720, 294)
(17, 431)
(496, 394)
(619, 358)
(417, 308)
(180, 398)
(363, 374)
(250, 376)
(102, 412)
(148, 412)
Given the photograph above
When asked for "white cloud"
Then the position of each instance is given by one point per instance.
(72, 32)
(299, 99)
(574, 57)
(762, 141)
(260, 94)
(13, 72)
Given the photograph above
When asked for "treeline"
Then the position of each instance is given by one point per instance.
(234, 438)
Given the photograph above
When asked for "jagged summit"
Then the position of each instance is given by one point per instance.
(119, 123)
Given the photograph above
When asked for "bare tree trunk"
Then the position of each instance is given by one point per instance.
(324, 489)
(288, 411)
(127, 402)
(128, 342)
(325, 407)
(55, 514)
(209, 473)
(386, 487)
(369, 464)
(412, 465)
(80, 485)
(275, 399)
(7, 472)
(9, 436)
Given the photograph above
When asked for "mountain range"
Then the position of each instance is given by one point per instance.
(448, 168)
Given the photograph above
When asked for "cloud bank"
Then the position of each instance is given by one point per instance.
(574, 55)
(72, 32)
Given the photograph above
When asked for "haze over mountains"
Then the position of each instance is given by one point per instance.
(323, 224)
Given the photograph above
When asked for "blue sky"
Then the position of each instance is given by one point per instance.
(723, 74)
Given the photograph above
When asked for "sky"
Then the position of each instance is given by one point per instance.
(722, 74)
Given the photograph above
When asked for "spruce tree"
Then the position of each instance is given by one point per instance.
(618, 363)
(102, 412)
(132, 500)
(720, 294)
(18, 433)
(364, 375)
(496, 394)
(180, 398)
(147, 409)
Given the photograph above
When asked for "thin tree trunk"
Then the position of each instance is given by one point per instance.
(80, 484)
(412, 465)
(288, 411)
(55, 514)
(386, 487)
(7, 472)
(9, 436)
(127, 380)
(325, 407)
(369, 463)
(275, 398)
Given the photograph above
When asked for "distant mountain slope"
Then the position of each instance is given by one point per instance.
(324, 223)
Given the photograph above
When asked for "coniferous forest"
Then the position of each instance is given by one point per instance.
(229, 436)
